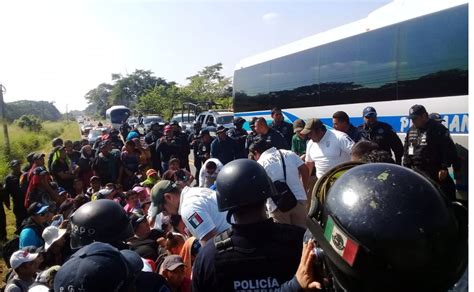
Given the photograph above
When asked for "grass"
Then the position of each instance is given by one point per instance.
(23, 142)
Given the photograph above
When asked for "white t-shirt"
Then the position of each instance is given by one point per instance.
(333, 149)
(271, 161)
(206, 179)
(198, 209)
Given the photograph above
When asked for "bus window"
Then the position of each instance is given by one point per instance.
(253, 84)
(294, 79)
(440, 70)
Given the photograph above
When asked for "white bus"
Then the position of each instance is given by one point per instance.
(116, 115)
(405, 53)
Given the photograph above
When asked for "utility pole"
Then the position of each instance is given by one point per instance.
(3, 119)
(67, 118)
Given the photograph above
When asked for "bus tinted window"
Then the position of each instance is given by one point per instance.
(252, 86)
(376, 66)
(434, 54)
(294, 79)
(119, 115)
(337, 69)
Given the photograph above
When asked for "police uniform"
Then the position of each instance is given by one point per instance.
(251, 257)
(286, 129)
(239, 136)
(384, 135)
(428, 150)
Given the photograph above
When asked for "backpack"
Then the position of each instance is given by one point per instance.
(9, 248)
(24, 183)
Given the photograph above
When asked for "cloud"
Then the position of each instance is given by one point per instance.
(270, 17)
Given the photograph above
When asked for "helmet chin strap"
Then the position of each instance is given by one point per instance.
(229, 217)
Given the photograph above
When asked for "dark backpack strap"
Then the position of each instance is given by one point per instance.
(284, 165)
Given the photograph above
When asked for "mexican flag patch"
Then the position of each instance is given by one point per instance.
(195, 220)
(340, 242)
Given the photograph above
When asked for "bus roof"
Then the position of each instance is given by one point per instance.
(394, 12)
(117, 107)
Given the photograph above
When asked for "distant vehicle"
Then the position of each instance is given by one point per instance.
(94, 134)
(132, 122)
(185, 121)
(149, 120)
(402, 54)
(116, 115)
(214, 118)
(85, 128)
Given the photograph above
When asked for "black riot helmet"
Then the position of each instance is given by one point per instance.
(384, 227)
(101, 220)
(240, 183)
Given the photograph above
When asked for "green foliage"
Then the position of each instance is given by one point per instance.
(98, 99)
(128, 89)
(208, 85)
(30, 123)
(23, 141)
(160, 100)
(46, 111)
(147, 94)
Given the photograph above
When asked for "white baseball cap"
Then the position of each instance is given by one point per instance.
(51, 234)
(20, 257)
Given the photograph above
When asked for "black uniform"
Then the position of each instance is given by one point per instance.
(354, 133)
(193, 140)
(12, 189)
(204, 150)
(152, 139)
(384, 135)
(256, 257)
(239, 136)
(286, 129)
(429, 150)
(184, 149)
(276, 139)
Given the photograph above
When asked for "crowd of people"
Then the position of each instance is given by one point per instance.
(127, 213)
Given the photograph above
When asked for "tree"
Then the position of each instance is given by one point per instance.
(208, 85)
(127, 90)
(98, 98)
(30, 122)
(161, 100)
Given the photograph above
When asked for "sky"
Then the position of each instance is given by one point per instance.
(59, 50)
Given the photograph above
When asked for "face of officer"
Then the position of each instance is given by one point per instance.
(340, 125)
(370, 119)
(277, 117)
(420, 121)
(316, 134)
(171, 203)
(261, 127)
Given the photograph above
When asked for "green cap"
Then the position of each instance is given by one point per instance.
(158, 195)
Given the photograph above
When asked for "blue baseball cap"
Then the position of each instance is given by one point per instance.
(37, 208)
(369, 112)
(98, 267)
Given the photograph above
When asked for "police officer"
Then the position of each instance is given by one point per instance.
(239, 135)
(204, 147)
(100, 220)
(280, 125)
(256, 253)
(377, 234)
(428, 149)
(151, 139)
(252, 136)
(193, 140)
(381, 133)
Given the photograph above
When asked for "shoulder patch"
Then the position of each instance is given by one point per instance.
(195, 220)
